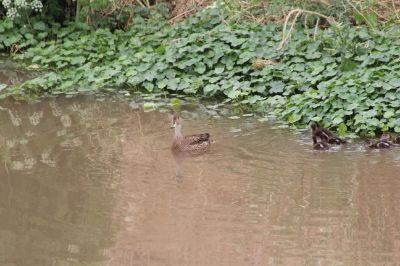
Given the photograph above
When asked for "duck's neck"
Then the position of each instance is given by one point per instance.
(178, 131)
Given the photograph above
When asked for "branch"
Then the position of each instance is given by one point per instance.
(297, 12)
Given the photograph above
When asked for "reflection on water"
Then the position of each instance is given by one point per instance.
(10, 74)
(91, 181)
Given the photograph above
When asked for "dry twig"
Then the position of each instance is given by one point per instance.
(297, 12)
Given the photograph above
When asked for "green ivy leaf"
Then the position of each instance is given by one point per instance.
(42, 35)
(12, 40)
(148, 86)
(8, 24)
(233, 94)
(79, 60)
(245, 57)
(276, 87)
(337, 120)
(40, 26)
(172, 84)
(211, 88)
(348, 65)
(161, 84)
(219, 70)
(389, 113)
(200, 68)
(293, 118)
(342, 129)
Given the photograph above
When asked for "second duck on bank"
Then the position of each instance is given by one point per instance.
(326, 137)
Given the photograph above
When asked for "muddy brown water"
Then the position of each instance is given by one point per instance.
(91, 181)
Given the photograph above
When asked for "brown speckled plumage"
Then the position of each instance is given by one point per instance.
(196, 143)
(378, 144)
(324, 134)
(390, 138)
(322, 145)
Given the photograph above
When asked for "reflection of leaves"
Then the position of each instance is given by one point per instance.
(175, 102)
(149, 106)
(35, 118)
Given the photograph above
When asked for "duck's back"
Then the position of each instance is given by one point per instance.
(197, 138)
(196, 143)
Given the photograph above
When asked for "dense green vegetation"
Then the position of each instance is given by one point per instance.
(346, 77)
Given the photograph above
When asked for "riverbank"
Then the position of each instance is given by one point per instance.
(347, 78)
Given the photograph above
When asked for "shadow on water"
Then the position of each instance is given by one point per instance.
(90, 181)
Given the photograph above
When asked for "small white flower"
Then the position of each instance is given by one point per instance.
(6, 3)
(20, 3)
(36, 5)
(12, 13)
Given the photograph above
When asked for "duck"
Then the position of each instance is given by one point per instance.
(385, 137)
(195, 144)
(322, 145)
(377, 144)
(389, 138)
(324, 134)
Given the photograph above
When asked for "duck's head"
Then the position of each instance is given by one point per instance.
(385, 136)
(176, 120)
(314, 126)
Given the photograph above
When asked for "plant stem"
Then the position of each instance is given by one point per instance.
(140, 3)
(77, 14)
(27, 17)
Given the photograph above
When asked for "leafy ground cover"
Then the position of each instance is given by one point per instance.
(347, 78)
